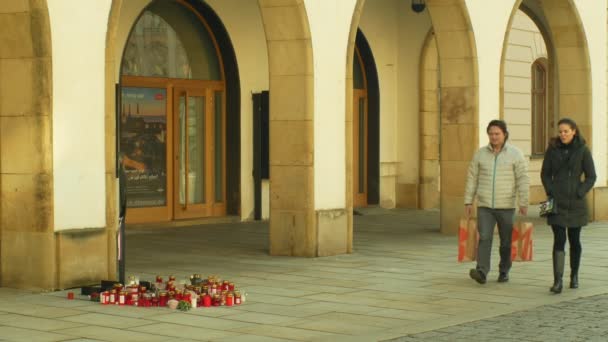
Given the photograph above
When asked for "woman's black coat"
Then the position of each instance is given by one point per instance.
(562, 179)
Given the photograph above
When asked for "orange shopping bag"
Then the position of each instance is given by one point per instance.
(522, 242)
(468, 238)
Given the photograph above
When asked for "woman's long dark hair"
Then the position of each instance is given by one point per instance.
(556, 141)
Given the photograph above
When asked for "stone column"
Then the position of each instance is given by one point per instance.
(308, 214)
(459, 104)
(27, 246)
(429, 126)
(292, 219)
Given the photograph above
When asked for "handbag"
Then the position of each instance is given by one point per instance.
(547, 207)
(522, 241)
(468, 238)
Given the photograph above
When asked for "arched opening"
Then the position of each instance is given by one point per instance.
(179, 124)
(366, 126)
(545, 75)
(456, 103)
(526, 74)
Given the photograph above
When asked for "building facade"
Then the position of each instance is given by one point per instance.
(369, 104)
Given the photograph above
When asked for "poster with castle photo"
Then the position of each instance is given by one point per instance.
(143, 145)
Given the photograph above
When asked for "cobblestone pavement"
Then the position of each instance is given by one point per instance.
(582, 319)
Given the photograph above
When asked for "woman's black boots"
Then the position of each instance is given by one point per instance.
(574, 281)
(558, 271)
(575, 261)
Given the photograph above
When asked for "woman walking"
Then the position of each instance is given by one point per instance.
(567, 159)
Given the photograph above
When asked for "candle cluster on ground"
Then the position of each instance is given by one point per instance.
(201, 292)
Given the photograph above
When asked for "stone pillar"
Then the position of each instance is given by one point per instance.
(429, 126)
(27, 246)
(111, 76)
(459, 104)
(308, 213)
(292, 218)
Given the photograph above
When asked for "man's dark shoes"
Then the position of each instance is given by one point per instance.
(478, 276)
(503, 277)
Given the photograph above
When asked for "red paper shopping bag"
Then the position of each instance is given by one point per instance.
(468, 238)
(522, 242)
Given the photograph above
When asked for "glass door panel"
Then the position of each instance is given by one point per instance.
(218, 135)
(196, 149)
(359, 148)
(192, 149)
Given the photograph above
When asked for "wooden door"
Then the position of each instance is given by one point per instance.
(198, 149)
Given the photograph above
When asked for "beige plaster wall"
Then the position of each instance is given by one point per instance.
(330, 28)
(489, 21)
(78, 112)
(396, 35)
(525, 45)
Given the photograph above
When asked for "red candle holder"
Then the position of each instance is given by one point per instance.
(206, 300)
(162, 301)
(229, 299)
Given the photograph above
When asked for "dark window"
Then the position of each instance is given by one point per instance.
(539, 106)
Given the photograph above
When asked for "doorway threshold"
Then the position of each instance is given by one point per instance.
(185, 223)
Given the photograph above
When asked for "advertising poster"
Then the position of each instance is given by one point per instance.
(143, 145)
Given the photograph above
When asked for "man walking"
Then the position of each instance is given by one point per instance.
(497, 175)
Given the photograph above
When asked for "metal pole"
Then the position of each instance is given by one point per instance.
(122, 200)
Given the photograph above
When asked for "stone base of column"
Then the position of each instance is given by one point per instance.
(310, 233)
(452, 209)
(332, 228)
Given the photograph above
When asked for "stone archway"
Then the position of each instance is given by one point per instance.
(459, 100)
(26, 169)
(569, 78)
(563, 30)
(293, 220)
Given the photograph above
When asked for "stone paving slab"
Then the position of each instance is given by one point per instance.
(401, 280)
